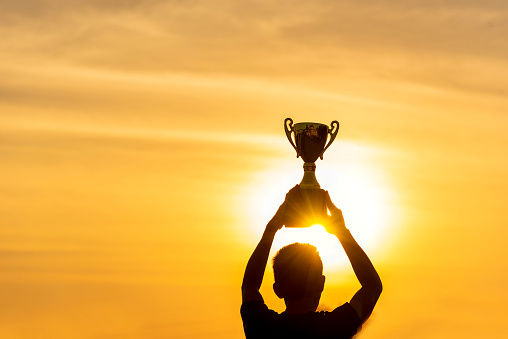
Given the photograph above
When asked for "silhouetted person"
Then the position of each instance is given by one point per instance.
(299, 280)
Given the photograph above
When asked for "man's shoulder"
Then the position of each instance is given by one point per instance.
(255, 307)
(345, 313)
(343, 310)
(342, 322)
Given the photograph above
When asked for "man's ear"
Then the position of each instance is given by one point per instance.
(277, 291)
(322, 283)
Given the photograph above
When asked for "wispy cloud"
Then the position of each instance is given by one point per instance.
(432, 43)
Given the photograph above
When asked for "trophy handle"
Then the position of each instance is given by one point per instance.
(288, 133)
(333, 133)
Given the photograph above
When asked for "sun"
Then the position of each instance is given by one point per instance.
(362, 196)
(328, 245)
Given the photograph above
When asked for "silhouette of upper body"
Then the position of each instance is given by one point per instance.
(299, 280)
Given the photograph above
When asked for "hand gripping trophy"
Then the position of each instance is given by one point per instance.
(308, 206)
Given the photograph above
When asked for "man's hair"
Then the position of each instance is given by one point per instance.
(297, 270)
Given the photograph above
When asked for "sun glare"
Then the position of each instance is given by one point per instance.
(358, 191)
(328, 245)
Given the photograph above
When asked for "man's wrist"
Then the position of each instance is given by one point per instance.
(342, 232)
(268, 234)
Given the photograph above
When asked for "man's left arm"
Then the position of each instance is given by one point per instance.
(256, 265)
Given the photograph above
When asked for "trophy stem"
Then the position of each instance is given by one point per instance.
(309, 180)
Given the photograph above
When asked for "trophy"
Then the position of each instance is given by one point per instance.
(307, 206)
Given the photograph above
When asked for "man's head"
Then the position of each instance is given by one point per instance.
(298, 272)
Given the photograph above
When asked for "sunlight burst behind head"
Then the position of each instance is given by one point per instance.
(359, 193)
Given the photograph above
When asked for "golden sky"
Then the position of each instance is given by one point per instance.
(142, 152)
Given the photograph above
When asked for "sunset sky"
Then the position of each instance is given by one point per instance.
(142, 152)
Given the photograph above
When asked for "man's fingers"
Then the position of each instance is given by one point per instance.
(331, 206)
(277, 220)
(292, 192)
(282, 208)
(279, 215)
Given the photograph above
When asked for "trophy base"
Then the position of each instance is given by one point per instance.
(309, 180)
(306, 208)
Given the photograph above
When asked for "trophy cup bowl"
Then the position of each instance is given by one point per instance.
(308, 205)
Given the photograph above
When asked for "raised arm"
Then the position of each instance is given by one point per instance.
(365, 299)
(257, 263)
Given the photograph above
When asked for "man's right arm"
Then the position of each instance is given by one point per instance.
(365, 299)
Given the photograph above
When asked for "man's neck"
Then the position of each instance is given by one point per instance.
(301, 306)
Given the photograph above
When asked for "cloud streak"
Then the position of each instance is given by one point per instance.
(409, 41)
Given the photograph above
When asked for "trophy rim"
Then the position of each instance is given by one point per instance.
(309, 123)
